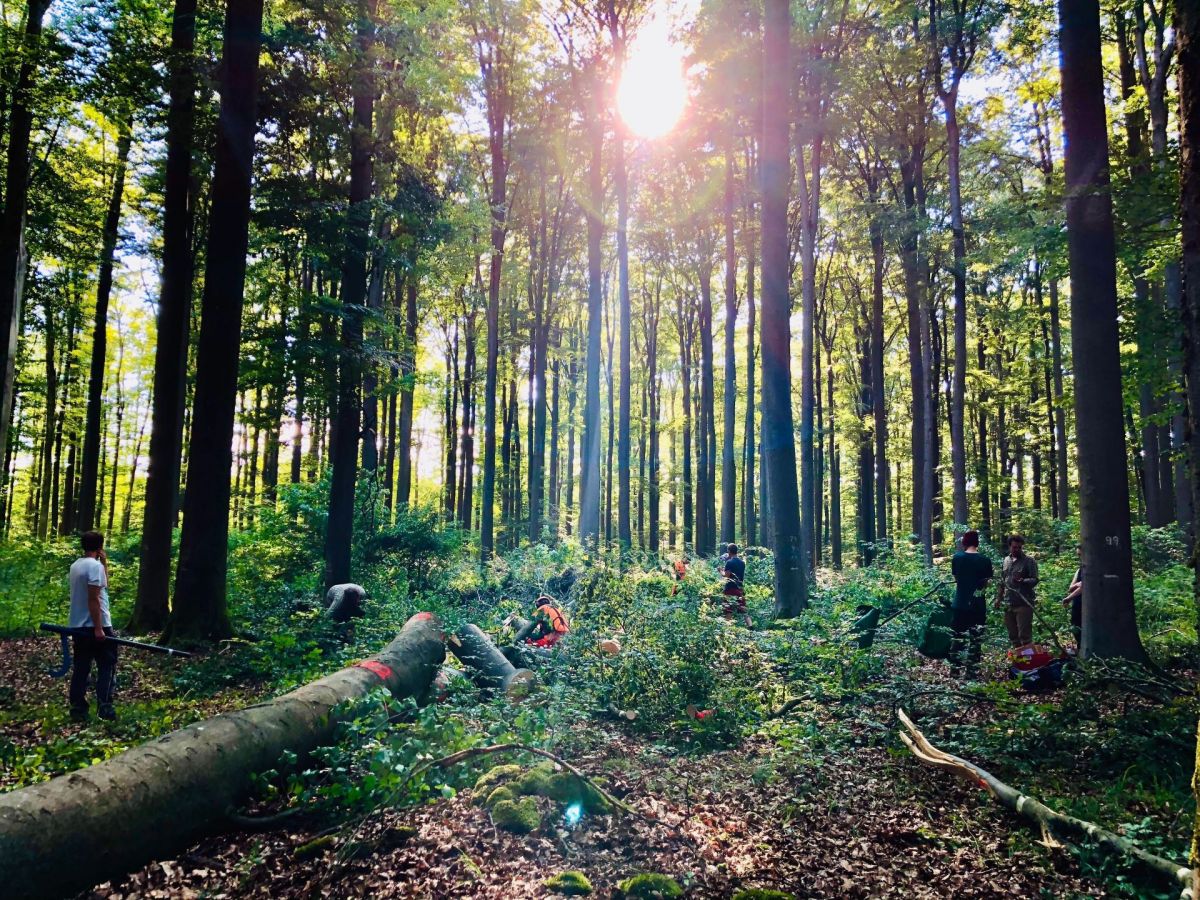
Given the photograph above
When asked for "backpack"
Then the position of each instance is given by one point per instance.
(936, 636)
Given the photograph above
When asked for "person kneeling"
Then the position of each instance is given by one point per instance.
(549, 624)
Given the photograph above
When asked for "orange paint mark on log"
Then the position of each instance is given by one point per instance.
(375, 666)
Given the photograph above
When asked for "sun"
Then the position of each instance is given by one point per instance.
(652, 92)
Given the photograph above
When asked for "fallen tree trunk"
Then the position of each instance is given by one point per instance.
(490, 669)
(1046, 818)
(152, 801)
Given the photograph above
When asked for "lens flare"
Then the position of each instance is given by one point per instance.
(652, 93)
(573, 814)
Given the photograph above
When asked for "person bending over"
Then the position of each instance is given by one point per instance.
(734, 591)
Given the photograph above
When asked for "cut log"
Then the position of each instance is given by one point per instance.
(1049, 820)
(439, 688)
(489, 668)
(151, 802)
(522, 628)
(345, 601)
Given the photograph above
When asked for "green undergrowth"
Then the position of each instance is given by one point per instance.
(1114, 746)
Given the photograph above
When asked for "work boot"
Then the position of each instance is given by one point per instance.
(106, 711)
(79, 713)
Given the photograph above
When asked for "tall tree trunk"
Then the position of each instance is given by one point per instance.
(708, 461)
(450, 434)
(89, 477)
(728, 464)
(779, 448)
(835, 471)
(866, 448)
(749, 450)
(12, 219)
(624, 439)
(466, 484)
(171, 350)
(653, 413)
(199, 610)
(52, 418)
(958, 408)
(918, 346)
(879, 404)
(1188, 37)
(555, 478)
(408, 372)
(339, 530)
(572, 399)
(685, 362)
(1109, 622)
(589, 506)
(610, 420)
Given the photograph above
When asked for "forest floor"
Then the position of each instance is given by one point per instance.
(797, 783)
(863, 821)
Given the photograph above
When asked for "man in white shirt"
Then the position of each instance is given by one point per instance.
(92, 626)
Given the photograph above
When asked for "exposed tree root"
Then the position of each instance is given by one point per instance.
(1046, 818)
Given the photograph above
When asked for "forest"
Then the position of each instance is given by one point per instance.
(557, 440)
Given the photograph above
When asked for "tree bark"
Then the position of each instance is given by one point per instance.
(339, 529)
(199, 610)
(879, 398)
(589, 506)
(1188, 37)
(1109, 622)
(170, 352)
(87, 513)
(707, 506)
(408, 373)
(728, 464)
(624, 438)
(62, 836)
(12, 219)
(779, 447)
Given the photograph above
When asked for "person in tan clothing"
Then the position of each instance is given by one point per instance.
(1017, 592)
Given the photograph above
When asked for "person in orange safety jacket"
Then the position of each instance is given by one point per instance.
(549, 624)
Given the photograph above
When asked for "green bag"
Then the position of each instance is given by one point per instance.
(865, 626)
(936, 636)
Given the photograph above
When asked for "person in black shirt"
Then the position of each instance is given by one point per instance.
(735, 577)
(972, 571)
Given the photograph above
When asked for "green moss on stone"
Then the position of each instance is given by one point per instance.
(650, 886)
(496, 776)
(536, 783)
(567, 788)
(518, 817)
(763, 894)
(573, 884)
(504, 792)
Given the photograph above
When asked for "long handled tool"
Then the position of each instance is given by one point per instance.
(66, 633)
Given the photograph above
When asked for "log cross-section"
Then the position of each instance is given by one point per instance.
(152, 801)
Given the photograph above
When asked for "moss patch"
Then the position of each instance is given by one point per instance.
(504, 792)
(536, 782)
(566, 788)
(496, 776)
(573, 884)
(650, 886)
(518, 817)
